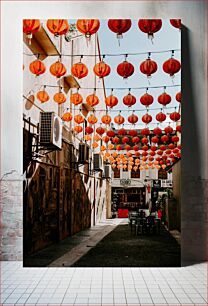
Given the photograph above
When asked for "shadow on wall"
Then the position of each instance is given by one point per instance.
(194, 207)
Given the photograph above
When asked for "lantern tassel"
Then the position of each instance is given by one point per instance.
(119, 37)
(151, 37)
(29, 38)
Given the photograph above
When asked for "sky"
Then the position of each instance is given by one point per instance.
(135, 41)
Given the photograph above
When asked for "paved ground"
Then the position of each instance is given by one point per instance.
(69, 250)
(103, 286)
(121, 248)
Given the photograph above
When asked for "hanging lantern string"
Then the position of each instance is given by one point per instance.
(118, 88)
(127, 110)
(107, 54)
(149, 124)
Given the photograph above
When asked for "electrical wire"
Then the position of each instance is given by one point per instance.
(106, 54)
(115, 88)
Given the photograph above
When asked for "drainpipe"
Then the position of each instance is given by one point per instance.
(94, 202)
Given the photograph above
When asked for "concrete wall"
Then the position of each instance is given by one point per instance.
(194, 107)
(177, 191)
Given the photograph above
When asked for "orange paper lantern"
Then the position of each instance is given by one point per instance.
(59, 98)
(79, 70)
(58, 26)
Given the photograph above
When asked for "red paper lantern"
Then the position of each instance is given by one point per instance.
(171, 66)
(88, 26)
(150, 26)
(146, 100)
(147, 118)
(168, 152)
(58, 26)
(175, 116)
(37, 67)
(171, 146)
(178, 97)
(79, 70)
(135, 140)
(163, 147)
(178, 128)
(145, 140)
(89, 130)
(119, 119)
(168, 130)
(125, 69)
(132, 119)
(133, 133)
(152, 153)
(119, 147)
(122, 132)
(159, 152)
(157, 131)
(106, 139)
(176, 150)
(119, 26)
(125, 139)
(115, 140)
(145, 131)
(92, 100)
(164, 99)
(148, 67)
(129, 100)
(110, 133)
(176, 23)
(144, 153)
(136, 148)
(175, 139)
(57, 69)
(155, 139)
(154, 148)
(111, 101)
(127, 147)
(145, 148)
(160, 117)
(102, 69)
(164, 138)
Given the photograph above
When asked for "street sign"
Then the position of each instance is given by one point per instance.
(156, 183)
(125, 182)
(166, 183)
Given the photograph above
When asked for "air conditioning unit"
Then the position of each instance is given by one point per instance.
(97, 162)
(50, 135)
(83, 153)
(107, 171)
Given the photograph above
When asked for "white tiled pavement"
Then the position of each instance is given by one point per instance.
(103, 286)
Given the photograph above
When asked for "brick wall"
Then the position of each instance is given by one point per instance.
(11, 210)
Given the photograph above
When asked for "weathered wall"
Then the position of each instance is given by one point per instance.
(177, 191)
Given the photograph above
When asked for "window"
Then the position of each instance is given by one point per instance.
(135, 174)
(116, 173)
(162, 174)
